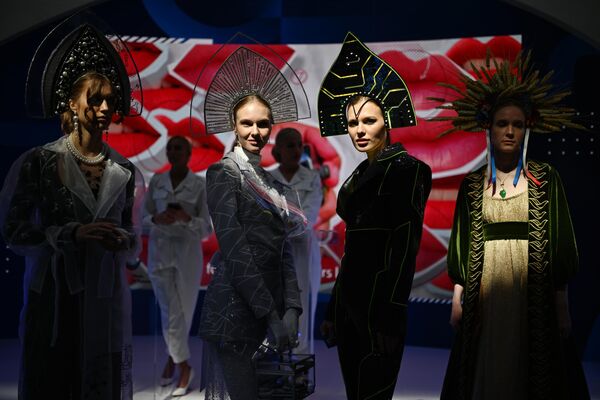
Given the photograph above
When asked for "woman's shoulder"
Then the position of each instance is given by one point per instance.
(307, 173)
(28, 162)
(474, 177)
(534, 165)
(542, 171)
(403, 161)
(224, 169)
(476, 173)
(40, 155)
(117, 157)
(50, 149)
(225, 163)
(195, 177)
(398, 156)
(196, 181)
(158, 178)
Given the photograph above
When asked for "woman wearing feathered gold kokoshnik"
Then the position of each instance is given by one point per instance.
(512, 248)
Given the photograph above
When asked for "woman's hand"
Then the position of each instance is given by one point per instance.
(290, 322)
(386, 344)
(93, 231)
(180, 215)
(117, 241)
(277, 331)
(111, 237)
(164, 218)
(456, 314)
(328, 331)
(563, 316)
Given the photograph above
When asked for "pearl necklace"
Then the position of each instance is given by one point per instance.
(86, 160)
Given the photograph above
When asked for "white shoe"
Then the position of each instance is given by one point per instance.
(166, 381)
(139, 273)
(182, 391)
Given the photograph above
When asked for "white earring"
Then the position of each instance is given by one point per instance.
(75, 123)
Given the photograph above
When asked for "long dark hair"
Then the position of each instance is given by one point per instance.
(99, 84)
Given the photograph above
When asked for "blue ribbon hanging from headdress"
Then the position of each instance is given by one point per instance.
(521, 166)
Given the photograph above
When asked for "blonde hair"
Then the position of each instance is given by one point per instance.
(249, 99)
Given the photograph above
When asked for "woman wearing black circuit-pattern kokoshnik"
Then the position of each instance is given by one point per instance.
(382, 203)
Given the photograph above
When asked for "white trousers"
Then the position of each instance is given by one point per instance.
(177, 301)
(307, 262)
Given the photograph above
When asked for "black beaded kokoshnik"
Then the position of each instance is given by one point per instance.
(84, 50)
(359, 71)
(242, 74)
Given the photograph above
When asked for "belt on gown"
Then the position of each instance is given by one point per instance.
(506, 231)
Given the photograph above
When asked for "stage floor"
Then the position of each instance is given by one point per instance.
(420, 376)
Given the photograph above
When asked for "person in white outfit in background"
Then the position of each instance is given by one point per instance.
(307, 254)
(176, 213)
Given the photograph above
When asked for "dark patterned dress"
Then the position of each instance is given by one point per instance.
(76, 322)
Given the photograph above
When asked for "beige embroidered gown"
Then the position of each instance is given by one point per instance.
(501, 370)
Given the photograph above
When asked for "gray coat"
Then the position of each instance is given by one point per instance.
(49, 200)
(255, 274)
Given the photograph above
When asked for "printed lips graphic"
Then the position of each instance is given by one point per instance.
(470, 50)
(166, 113)
(450, 157)
(169, 79)
(135, 135)
(189, 67)
(422, 141)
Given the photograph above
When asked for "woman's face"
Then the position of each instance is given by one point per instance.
(290, 151)
(253, 126)
(366, 126)
(178, 152)
(95, 113)
(508, 130)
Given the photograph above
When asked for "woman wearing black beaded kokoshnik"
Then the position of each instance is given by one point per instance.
(70, 213)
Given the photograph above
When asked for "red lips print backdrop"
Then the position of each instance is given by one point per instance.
(169, 69)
